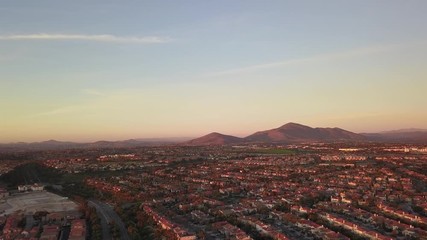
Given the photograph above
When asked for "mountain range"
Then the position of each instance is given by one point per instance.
(288, 133)
(58, 145)
(297, 133)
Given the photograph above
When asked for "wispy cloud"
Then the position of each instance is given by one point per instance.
(85, 37)
(93, 92)
(60, 111)
(318, 58)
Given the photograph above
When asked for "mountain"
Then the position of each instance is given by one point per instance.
(294, 132)
(214, 139)
(399, 136)
(45, 145)
(406, 130)
(59, 145)
(288, 133)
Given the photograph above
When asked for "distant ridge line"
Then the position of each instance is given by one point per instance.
(288, 133)
(297, 133)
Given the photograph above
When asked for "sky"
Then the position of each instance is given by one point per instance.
(112, 70)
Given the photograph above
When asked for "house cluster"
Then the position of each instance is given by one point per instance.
(177, 232)
(346, 157)
(326, 191)
(33, 187)
(397, 227)
(124, 157)
(8, 165)
(102, 163)
(354, 227)
(230, 232)
(263, 228)
(43, 226)
(403, 215)
(317, 230)
(3, 193)
(78, 230)
(258, 185)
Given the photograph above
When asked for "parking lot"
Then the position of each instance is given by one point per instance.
(31, 202)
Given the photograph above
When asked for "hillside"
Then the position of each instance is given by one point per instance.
(215, 139)
(294, 132)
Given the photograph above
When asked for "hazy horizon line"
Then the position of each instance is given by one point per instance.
(184, 138)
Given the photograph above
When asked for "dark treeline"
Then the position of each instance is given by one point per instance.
(18, 156)
(31, 173)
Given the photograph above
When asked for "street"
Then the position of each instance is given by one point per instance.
(108, 215)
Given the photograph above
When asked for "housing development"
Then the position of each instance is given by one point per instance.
(298, 191)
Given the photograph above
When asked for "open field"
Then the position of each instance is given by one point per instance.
(32, 202)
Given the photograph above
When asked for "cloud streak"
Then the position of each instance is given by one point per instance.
(84, 37)
(318, 58)
(93, 92)
(60, 111)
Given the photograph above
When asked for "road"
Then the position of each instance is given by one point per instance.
(105, 219)
(108, 215)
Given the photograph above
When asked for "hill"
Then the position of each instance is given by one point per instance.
(399, 136)
(215, 139)
(59, 145)
(294, 132)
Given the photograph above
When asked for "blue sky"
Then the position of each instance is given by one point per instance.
(84, 71)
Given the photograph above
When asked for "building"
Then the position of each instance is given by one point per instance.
(3, 193)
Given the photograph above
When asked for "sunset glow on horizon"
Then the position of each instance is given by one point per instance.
(109, 70)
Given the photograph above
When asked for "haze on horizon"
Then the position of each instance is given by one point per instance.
(86, 71)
